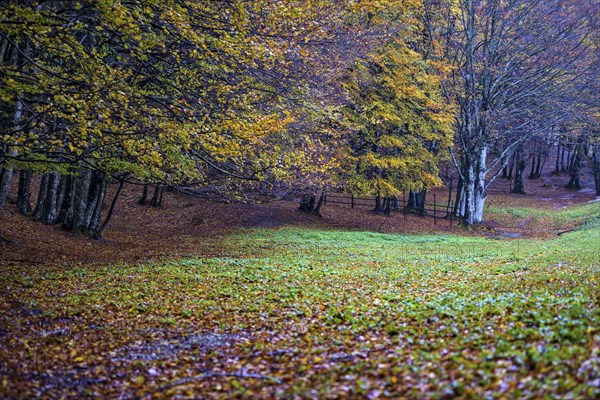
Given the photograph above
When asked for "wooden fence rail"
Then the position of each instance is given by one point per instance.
(432, 210)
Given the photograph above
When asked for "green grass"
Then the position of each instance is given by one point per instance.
(554, 219)
(347, 314)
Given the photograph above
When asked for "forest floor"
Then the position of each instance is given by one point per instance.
(190, 226)
(208, 300)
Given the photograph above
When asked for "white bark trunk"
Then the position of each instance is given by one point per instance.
(474, 189)
(469, 190)
(480, 193)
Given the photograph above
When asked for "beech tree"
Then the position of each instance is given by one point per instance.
(201, 94)
(157, 92)
(590, 98)
(399, 122)
(514, 69)
(310, 154)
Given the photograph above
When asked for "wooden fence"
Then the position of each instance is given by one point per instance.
(431, 210)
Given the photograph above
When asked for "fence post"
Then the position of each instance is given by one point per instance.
(352, 200)
(404, 203)
(449, 208)
(450, 214)
(434, 211)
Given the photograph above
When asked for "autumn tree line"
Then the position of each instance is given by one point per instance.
(234, 98)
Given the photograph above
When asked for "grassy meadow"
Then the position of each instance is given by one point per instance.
(306, 313)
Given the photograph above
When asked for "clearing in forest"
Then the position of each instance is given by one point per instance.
(305, 312)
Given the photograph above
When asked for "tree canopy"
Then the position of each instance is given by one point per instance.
(280, 97)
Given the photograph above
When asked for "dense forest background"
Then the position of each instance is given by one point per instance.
(285, 99)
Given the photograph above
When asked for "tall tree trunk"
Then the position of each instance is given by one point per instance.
(388, 205)
(23, 197)
(521, 164)
(505, 170)
(557, 166)
(66, 189)
(468, 215)
(317, 210)
(460, 198)
(94, 222)
(597, 168)
(577, 164)
(480, 189)
(395, 205)
(575, 158)
(156, 196)
(161, 195)
(475, 187)
(416, 202)
(575, 172)
(6, 166)
(512, 167)
(49, 211)
(100, 231)
(85, 196)
(540, 166)
(96, 194)
(6, 175)
(567, 165)
(79, 201)
(449, 206)
(378, 204)
(307, 203)
(62, 183)
(41, 199)
(144, 197)
(534, 163)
